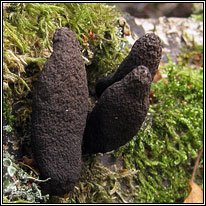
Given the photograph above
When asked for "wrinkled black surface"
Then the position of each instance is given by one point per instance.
(146, 51)
(60, 104)
(119, 113)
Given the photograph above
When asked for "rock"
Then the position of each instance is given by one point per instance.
(119, 113)
(60, 105)
(172, 31)
(146, 51)
(155, 10)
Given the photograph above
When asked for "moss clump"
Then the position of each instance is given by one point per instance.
(99, 184)
(166, 148)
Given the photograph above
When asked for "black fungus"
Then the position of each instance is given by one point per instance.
(119, 112)
(123, 98)
(59, 112)
(146, 51)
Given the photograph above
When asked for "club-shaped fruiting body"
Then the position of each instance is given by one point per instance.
(59, 112)
(146, 51)
(119, 112)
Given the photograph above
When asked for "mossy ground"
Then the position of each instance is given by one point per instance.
(158, 162)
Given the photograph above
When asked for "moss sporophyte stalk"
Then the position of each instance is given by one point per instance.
(158, 161)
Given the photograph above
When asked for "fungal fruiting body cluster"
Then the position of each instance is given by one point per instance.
(62, 130)
(123, 98)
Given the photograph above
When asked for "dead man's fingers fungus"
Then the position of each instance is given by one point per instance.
(60, 104)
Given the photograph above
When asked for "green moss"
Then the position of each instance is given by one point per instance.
(168, 144)
(197, 11)
(5, 200)
(29, 27)
(98, 184)
(7, 114)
